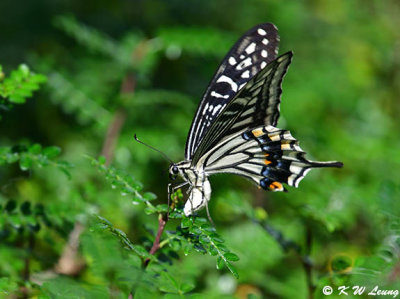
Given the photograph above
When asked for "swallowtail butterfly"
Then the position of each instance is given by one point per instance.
(234, 129)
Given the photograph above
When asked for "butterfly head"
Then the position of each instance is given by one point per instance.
(179, 169)
(173, 171)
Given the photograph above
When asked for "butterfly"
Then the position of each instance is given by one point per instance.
(234, 129)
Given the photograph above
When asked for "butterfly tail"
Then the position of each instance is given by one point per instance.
(317, 164)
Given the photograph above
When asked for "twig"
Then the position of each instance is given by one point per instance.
(162, 221)
(307, 264)
(69, 262)
(114, 129)
(26, 273)
(27, 270)
(287, 244)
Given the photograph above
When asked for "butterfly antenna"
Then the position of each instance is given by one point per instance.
(154, 149)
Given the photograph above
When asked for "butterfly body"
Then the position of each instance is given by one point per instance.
(199, 185)
(234, 129)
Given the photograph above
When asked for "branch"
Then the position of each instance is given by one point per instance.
(70, 263)
(114, 129)
(287, 244)
(162, 221)
(307, 263)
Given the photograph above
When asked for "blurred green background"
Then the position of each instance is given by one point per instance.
(115, 68)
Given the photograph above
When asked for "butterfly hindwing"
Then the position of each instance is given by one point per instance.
(266, 155)
(256, 104)
(251, 53)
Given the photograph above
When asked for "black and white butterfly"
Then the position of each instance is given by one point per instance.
(234, 129)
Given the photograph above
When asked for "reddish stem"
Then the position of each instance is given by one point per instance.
(162, 221)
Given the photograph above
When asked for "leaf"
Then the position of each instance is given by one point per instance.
(220, 263)
(142, 252)
(200, 221)
(26, 208)
(149, 196)
(186, 222)
(10, 206)
(51, 151)
(35, 149)
(187, 248)
(231, 257)
(232, 269)
(17, 99)
(204, 240)
(168, 284)
(150, 210)
(25, 162)
(187, 287)
(195, 230)
(212, 250)
(102, 160)
(162, 208)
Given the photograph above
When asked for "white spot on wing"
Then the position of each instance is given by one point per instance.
(250, 48)
(264, 53)
(261, 31)
(291, 179)
(265, 41)
(228, 80)
(205, 108)
(232, 60)
(216, 109)
(295, 169)
(244, 63)
(263, 64)
(246, 74)
(218, 95)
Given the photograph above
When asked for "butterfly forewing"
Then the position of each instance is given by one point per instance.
(256, 104)
(251, 53)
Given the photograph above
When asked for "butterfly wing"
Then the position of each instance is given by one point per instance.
(266, 155)
(244, 140)
(256, 104)
(251, 53)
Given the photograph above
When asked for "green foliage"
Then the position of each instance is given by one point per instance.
(139, 250)
(125, 183)
(194, 234)
(26, 218)
(198, 41)
(33, 155)
(117, 69)
(203, 238)
(19, 85)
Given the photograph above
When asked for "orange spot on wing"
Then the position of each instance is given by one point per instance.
(267, 161)
(275, 185)
(257, 132)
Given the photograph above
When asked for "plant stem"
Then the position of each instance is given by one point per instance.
(307, 264)
(114, 129)
(162, 221)
(287, 244)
